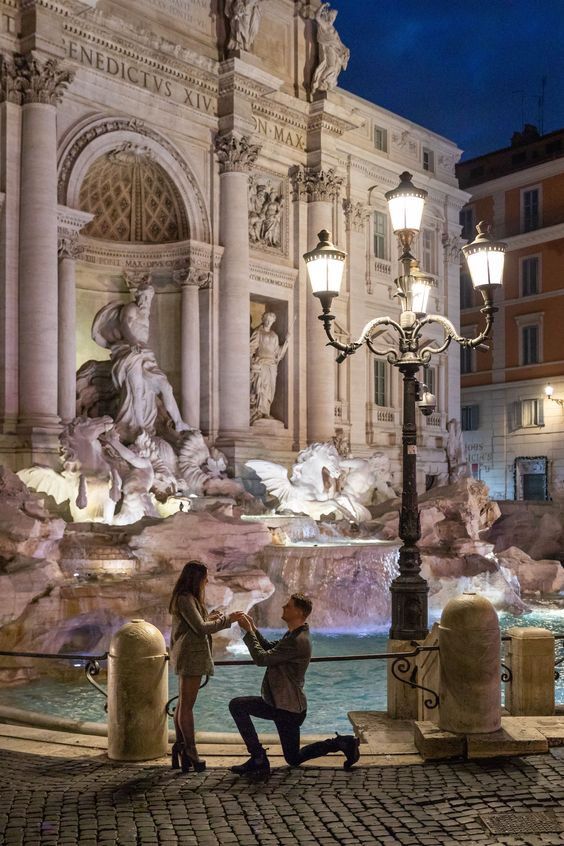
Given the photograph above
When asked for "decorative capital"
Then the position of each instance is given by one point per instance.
(452, 245)
(311, 185)
(192, 277)
(10, 81)
(136, 278)
(356, 215)
(69, 247)
(235, 153)
(28, 79)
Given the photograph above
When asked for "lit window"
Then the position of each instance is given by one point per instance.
(530, 206)
(380, 235)
(428, 160)
(429, 379)
(470, 417)
(530, 344)
(530, 276)
(381, 139)
(380, 382)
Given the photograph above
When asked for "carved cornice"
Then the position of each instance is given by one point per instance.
(235, 153)
(29, 79)
(141, 257)
(356, 215)
(132, 43)
(311, 185)
(71, 221)
(278, 113)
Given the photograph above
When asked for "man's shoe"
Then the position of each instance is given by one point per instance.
(258, 767)
(349, 745)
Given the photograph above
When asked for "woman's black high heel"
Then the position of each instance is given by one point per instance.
(191, 762)
(176, 755)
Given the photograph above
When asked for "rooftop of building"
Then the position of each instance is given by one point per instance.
(527, 149)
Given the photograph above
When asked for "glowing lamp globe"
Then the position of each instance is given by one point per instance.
(485, 258)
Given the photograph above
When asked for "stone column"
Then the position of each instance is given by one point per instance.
(236, 156)
(42, 83)
(321, 188)
(530, 657)
(190, 282)
(68, 252)
(10, 146)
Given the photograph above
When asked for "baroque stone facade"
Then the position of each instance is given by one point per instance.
(204, 153)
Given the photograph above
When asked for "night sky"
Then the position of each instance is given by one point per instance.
(471, 71)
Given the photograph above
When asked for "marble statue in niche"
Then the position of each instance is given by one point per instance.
(244, 21)
(333, 55)
(265, 213)
(123, 328)
(266, 354)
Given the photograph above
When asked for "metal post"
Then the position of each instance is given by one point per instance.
(409, 590)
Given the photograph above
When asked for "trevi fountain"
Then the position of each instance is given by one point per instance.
(100, 539)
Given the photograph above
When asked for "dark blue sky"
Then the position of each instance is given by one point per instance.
(456, 67)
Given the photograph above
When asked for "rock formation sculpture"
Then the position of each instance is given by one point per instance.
(323, 483)
(333, 55)
(266, 354)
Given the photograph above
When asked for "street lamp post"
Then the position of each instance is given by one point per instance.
(325, 266)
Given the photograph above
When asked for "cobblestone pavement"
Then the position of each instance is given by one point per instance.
(88, 801)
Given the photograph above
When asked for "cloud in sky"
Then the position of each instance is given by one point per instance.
(469, 71)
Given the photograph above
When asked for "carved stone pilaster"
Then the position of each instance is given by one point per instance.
(310, 185)
(69, 247)
(235, 153)
(452, 244)
(28, 79)
(356, 215)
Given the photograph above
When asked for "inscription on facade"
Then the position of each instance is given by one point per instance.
(194, 12)
(148, 79)
(279, 133)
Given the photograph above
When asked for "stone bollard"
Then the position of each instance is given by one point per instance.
(531, 660)
(137, 693)
(470, 672)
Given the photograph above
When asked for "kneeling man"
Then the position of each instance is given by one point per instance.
(283, 700)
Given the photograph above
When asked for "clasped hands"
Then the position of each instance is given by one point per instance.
(246, 622)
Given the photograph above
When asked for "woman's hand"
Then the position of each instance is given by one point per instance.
(235, 616)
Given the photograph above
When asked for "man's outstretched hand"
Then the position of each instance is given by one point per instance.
(246, 622)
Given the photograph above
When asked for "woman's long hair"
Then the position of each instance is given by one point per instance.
(191, 580)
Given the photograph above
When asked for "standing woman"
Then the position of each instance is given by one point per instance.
(191, 655)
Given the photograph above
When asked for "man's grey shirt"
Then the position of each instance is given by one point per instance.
(286, 661)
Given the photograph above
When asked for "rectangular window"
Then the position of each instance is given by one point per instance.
(466, 220)
(428, 160)
(529, 412)
(530, 276)
(530, 344)
(428, 253)
(381, 139)
(380, 236)
(470, 415)
(380, 382)
(530, 208)
(467, 299)
(466, 360)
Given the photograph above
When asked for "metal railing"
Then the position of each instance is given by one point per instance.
(401, 667)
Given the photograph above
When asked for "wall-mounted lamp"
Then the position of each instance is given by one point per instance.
(549, 391)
